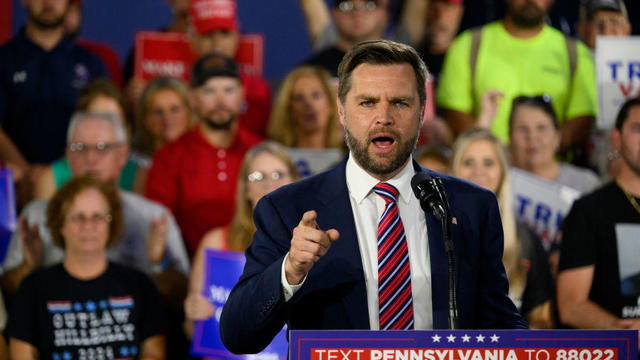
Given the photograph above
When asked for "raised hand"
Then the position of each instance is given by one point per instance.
(489, 107)
(157, 238)
(308, 244)
(197, 307)
(32, 248)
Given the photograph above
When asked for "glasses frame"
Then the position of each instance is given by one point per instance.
(95, 219)
(101, 147)
(348, 6)
(259, 177)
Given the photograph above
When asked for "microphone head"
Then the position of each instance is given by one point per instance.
(420, 184)
(424, 188)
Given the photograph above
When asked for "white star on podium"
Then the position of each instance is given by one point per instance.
(451, 338)
(466, 338)
(480, 338)
(436, 338)
(495, 338)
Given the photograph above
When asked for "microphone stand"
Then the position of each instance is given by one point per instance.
(448, 245)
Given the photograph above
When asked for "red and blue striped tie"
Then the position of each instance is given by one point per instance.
(394, 273)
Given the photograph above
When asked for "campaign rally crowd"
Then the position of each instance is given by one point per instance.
(123, 182)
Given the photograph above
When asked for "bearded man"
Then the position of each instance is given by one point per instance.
(518, 55)
(196, 175)
(42, 71)
(599, 277)
(351, 248)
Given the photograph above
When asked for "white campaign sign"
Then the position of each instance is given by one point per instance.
(541, 204)
(617, 75)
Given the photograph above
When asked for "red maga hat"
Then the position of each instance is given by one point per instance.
(210, 15)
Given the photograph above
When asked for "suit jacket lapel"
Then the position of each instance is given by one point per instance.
(337, 213)
(345, 265)
(439, 272)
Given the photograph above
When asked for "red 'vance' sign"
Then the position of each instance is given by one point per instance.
(169, 54)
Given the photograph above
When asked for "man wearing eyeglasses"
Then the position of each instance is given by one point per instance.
(151, 241)
(354, 21)
(602, 17)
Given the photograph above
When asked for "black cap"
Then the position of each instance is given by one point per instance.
(590, 6)
(211, 65)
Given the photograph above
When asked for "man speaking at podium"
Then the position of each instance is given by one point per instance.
(351, 248)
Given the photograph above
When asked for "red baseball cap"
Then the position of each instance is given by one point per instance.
(210, 15)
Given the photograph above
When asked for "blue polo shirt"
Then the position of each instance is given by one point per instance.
(38, 92)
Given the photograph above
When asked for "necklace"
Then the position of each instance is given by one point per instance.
(631, 199)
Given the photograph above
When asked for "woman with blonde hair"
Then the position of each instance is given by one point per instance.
(162, 115)
(304, 118)
(265, 168)
(305, 114)
(479, 156)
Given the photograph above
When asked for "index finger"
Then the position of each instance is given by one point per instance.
(497, 94)
(309, 219)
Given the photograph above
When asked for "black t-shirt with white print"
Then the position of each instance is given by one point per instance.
(603, 230)
(103, 318)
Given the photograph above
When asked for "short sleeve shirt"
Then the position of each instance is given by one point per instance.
(67, 319)
(514, 66)
(38, 93)
(590, 238)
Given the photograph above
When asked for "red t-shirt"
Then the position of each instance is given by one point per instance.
(198, 181)
(255, 117)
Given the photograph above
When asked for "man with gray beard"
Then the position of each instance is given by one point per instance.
(196, 175)
(351, 248)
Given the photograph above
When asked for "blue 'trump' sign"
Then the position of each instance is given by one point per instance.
(222, 271)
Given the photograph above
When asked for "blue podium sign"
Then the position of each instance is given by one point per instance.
(222, 271)
(465, 345)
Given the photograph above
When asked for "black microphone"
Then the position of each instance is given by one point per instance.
(427, 192)
(430, 192)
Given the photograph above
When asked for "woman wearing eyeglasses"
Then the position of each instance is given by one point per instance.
(86, 307)
(265, 168)
(535, 139)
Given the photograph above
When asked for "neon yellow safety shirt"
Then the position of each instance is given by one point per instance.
(514, 66)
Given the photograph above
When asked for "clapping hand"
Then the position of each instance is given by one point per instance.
(157, 238)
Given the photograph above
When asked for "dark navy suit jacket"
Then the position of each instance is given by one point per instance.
(334, 295)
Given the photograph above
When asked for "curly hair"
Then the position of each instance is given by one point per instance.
(58, 208)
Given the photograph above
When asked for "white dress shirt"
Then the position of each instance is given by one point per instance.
(367, 208)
